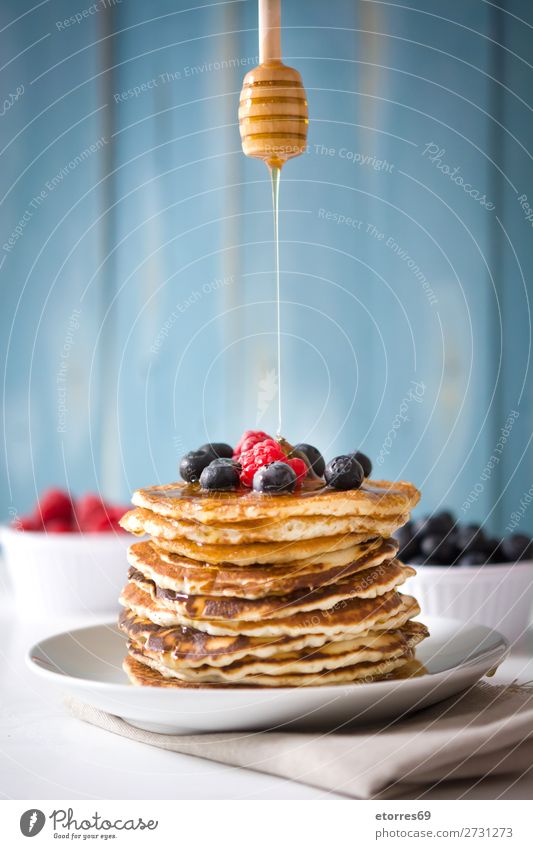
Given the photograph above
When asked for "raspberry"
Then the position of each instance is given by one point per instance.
(116, 513)
(93, 514)
(89, 509)
(58, 526)
(105, 523)
(27, 523)
(55, 504)
(248, 440)
(299, 467)
(261, 453)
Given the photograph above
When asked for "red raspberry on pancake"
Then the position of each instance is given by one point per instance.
(260, 454)
(299, 467)
(248, 440)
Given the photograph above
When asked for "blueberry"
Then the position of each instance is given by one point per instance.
(517, 547)
(275, 478)
(217, 449)
(470, 537)
(344, 472)
(418, 527)
(364, 461)
(472, 558)
(314, 456)
(438, 549)
(193, 464)
(220, 475)
(408, 543)
(417, 560)
(493, 549)
(439, 523)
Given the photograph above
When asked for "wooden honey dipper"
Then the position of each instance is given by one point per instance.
(273, 105)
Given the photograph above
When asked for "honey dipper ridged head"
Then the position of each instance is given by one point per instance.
(273, 115)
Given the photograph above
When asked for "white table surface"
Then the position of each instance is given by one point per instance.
(46, 754)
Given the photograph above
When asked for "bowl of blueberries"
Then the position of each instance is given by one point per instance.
(465, 573)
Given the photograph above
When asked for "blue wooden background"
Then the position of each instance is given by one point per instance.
(137, 261)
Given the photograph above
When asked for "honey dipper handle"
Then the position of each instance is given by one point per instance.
(269, 31)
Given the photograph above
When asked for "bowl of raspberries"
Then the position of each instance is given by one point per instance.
(67, 557)
(468, 574)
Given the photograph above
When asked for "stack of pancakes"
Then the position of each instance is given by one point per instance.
(245, 589)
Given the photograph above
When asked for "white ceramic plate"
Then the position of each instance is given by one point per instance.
(86, 663)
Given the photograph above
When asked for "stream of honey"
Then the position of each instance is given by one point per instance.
(275, 173)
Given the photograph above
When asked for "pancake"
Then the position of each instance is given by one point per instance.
(359, 672)
(350, 616)
(185, 649)
(245, 589)
(266, 553)
(332, 656)
(143, 675)
(369, 583)
(375, 499)
(182, 575)
(412, 669)
(196, 648)
(141, 522)
(282, 658)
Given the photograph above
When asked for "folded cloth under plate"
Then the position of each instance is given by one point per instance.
(486, 731)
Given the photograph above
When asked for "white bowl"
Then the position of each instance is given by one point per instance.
(65, 574)
(497, 595)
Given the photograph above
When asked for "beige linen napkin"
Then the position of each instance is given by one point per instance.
(488, 730)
